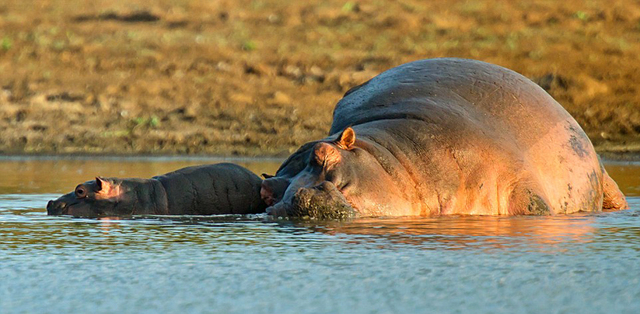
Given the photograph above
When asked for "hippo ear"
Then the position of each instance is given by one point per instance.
(326, 155)
(346, 139)
(267, 176)
(100, 182)
(106, 189)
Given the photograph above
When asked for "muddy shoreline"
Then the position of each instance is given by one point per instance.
(259, 78)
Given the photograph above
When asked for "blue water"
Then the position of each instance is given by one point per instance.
(232, 264)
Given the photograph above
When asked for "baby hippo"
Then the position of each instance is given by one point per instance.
(199, 190)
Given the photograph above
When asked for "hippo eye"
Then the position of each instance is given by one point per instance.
(81, 192)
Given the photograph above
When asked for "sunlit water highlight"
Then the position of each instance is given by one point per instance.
(233, 264)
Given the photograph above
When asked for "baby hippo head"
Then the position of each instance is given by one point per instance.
(99, 197)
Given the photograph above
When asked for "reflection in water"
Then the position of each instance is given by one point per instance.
(36, 231)
(468, 232)
(256, 264)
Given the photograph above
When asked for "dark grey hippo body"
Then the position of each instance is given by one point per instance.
(445, 136)
(199, 190)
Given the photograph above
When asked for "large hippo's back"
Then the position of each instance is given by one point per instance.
(436, 89)
(477, 108)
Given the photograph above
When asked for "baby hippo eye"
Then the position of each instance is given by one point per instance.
(81, 192)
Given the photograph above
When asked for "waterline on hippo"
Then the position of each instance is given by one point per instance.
(445, 136)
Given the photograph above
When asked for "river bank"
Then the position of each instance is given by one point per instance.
(259, 78)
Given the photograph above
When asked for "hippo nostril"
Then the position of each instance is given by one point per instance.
(49, 204)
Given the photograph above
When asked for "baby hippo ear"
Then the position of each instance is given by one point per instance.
(106, 189)
(346, 139)
(100, 183)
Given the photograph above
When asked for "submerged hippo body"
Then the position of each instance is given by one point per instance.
(445, 136)
(199, 190)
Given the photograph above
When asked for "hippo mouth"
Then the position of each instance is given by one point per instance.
(324, 201)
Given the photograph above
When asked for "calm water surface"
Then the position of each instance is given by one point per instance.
(562, 264)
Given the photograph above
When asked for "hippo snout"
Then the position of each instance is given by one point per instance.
(323, 201)
(55, 207)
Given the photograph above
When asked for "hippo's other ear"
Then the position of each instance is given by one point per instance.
(346, 139)
(267, 176)
(326, 155)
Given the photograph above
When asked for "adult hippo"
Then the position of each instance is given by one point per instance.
(199, 190)
(441, 137)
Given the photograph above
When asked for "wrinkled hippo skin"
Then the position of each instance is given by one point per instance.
(199, 190)
(440, 137)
